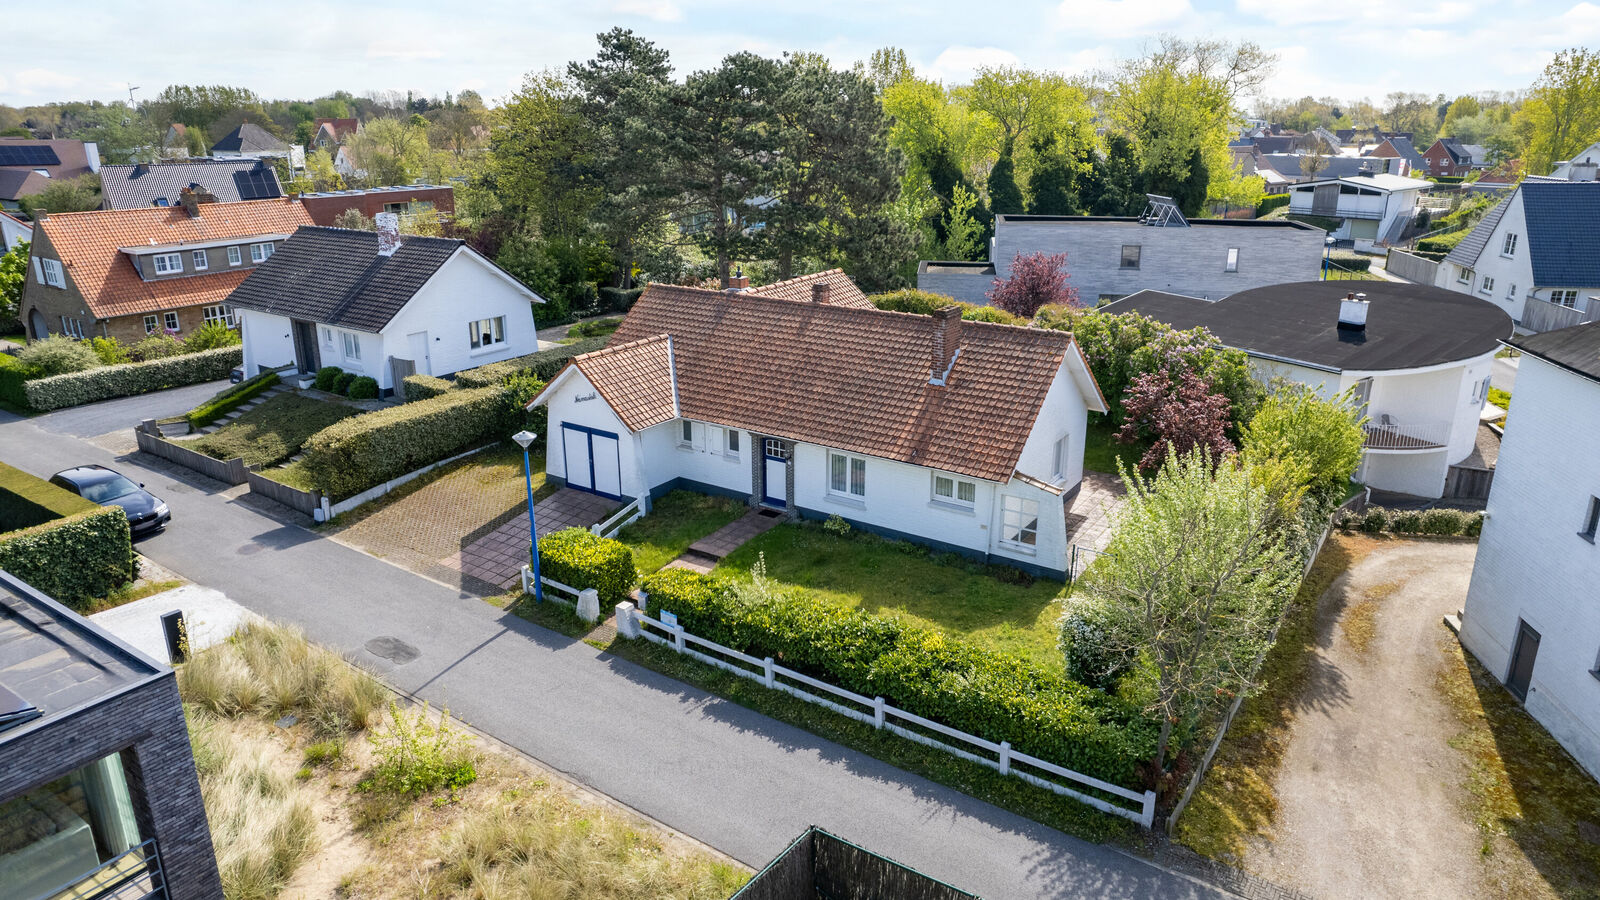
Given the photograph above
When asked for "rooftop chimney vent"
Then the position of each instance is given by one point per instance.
(1353, 312)
(946, 343)
(388, 233)
(738, 281)
(819, 292)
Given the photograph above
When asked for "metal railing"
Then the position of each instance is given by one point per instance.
(132, 875)
(1390, 432)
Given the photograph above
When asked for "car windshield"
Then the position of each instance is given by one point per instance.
(110, 489)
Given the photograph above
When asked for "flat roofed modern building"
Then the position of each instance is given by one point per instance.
(98, 791)
(1417, 357)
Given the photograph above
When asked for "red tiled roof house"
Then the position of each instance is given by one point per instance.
(965, 436)
(128, 273)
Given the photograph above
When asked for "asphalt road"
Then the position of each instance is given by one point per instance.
(737, 780)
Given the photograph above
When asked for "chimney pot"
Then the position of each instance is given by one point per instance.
(819, 292)
(388, 233)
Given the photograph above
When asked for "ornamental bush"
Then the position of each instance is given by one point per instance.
(57, 355)
(582, 560)
(106, 382)
(542, 365)
(326, 377)
(993, 695)
(111, 351)
(230, 399)
(341, 384)
(421, 387)
(75, 560)
(156, 346)
(366, 450)
(210, 336)
(1431, 522)
(363, 388)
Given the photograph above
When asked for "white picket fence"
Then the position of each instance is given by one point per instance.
(880, 715)
(627, 515)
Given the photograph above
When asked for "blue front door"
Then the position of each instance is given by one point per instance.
(775, 472)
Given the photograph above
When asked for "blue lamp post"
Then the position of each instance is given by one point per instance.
(524, 440)
(1327, 256)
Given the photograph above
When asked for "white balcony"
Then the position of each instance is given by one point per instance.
(1386, 431)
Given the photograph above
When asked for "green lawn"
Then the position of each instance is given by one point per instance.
(676, 521)
(1101, 450)
(273, 431)
(591, 329)
(942, 591)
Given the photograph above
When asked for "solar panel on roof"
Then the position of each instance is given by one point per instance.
(14, 710)
(28, 156)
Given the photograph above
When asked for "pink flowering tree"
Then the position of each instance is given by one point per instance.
(1036, 280)
(1180, 416)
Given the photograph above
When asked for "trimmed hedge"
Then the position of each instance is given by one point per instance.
(75, 560)
(13, 375)
(230, 399)
(26, 501)
(1433, 522)
(341, 383)
(421, 387)
(542, 365)
(582, 560)
(618, 300)
(363, 388)
(1270, 203)
(326, 376)
(996, 696)
(364, 451)
(106, 382)
(925, 303)
(1351, 263)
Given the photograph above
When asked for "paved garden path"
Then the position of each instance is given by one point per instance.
(1090, 510)
(704, 554)
(733, 778)
(1370, 797)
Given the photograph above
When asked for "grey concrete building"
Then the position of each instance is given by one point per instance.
(98, 791)
(1112, 257)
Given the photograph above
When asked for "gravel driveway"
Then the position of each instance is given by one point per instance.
(1371, 797)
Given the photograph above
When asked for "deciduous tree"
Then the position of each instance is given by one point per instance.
(1036, 280)
(1176, 416)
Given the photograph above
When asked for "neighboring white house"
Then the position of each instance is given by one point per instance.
(1583, 166)
(1112, 257)
(1531, 616)
(1535, 255)
(965, 436)
(1418, 359)
(377, 304)
(13, 231)
(1372, 209)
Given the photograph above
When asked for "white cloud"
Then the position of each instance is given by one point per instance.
(957, 64)
(36, 81)
(1121, 18)
(402, 50)
(1309, 12)
(655, 10)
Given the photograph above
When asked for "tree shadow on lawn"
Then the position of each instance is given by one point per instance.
(881, 576)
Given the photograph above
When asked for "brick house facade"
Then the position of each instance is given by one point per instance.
(327, 206)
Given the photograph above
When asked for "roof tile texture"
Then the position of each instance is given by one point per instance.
(635, 380)
(841, 290)
(87, 244)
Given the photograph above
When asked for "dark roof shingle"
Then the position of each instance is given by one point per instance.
(229, 180)
(1563, 221)
(1576, 348)
(1471, 247)
(249, 138)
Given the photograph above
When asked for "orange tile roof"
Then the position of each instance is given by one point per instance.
(841, 290)
(635, 380)
(87, 244)
(853, 379)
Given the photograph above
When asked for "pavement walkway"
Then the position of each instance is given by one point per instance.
(741, 782)
(497, 557)
(1090, 511)
(208, 614)
(704, 554)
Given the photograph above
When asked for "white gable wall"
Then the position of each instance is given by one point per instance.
(1507, 272)
(268, 341)
(464, 290)
(1062, 413)
(576, 401)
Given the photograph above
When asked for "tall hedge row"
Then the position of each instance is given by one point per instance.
(421, 387)
(364, 451)
(992, 695)
(106, 382)
(13, 375)
(542, 365)
(75, 560)
(230, 398)
(26, 501)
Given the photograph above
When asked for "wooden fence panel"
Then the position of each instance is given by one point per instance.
(1411, 268)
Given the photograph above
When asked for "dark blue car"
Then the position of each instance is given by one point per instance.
(98, 484)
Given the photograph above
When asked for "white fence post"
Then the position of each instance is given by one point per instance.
(589, 605)
(877, 712)
(527, 580)
(677, 638)
(627, 621)
(1147, 814)
(594, 529)
(768, 677)
(1005, 757)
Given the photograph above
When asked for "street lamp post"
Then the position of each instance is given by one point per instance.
(1327, 256)
(524, 440)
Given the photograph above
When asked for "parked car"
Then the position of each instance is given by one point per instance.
(107, 487)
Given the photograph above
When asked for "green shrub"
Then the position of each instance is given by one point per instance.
(421, 387)
(26, 501)
(993, 695)
(58, 355)
(366, 450)
(924, 303)
(13, 375)
(1375, 520)
(1270, 203)
(326, 376)
(416, 756)
(110, 351)
(156, 346)
(1432, 522)
(1092, 658)
(210, 336)
(542, 365)
(341, 384)
(230, 399)
(582, 560)
(1500, 398)
(1441, 522)
(75, 560)
(363, 388)
(618, 300)
(1351, 263)
(106, 382)
(1405, 521)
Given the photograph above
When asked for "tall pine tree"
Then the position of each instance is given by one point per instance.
(1004, 195)
(1054, 184)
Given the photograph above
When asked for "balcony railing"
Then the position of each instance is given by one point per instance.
(134, 875)
(1391, 432)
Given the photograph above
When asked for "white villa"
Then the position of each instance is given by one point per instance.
(1372, 208)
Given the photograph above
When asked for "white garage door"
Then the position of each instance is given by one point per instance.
(593, 460)
(578, 464)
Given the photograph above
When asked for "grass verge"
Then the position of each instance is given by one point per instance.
(676, 520)
(136, 590)
(273, 431)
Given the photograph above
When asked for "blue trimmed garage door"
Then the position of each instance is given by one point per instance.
(593, 460)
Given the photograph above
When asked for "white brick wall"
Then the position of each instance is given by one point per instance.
(1533, 566)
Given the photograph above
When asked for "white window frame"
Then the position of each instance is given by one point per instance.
(51, 273)
(1015, 514)
(167, 263)
(220, 313)
(948, 490)
(1463, 275)
(1511, 292)
(852, 476)
(686, 432)
(350, 345)
(260, 253)
(235, 256)
(171, 321)
(327, 336)
(1567, 298)
(1487, 285)
(201, 262)
(731, 443)
(493, 328)
(1232, 265)
(151, 324)
(1060, 457)
(1508, 248)
(72, 327)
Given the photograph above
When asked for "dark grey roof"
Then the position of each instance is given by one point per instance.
(1288, 164)
(57, 661)
(1471, 247)
(249, 138)
(230, 180)
(335, 276)
(1563, 222)
(1020, 219)
(1576, 349)
(1408, 325)
(1407, 152)
(1458, 153)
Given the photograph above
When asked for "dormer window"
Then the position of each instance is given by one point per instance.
(200, 261)
(234, 256)
(168, 263)
(260, 252)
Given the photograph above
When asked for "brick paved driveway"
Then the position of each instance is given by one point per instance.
(1090, 510)
(497, 558)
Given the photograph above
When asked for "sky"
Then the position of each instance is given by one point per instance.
(1347, 49)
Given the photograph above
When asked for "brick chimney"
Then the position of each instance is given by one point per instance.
(946, 342)
(190, 202)
(819, 292)
(738, 282)
(388, 233)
